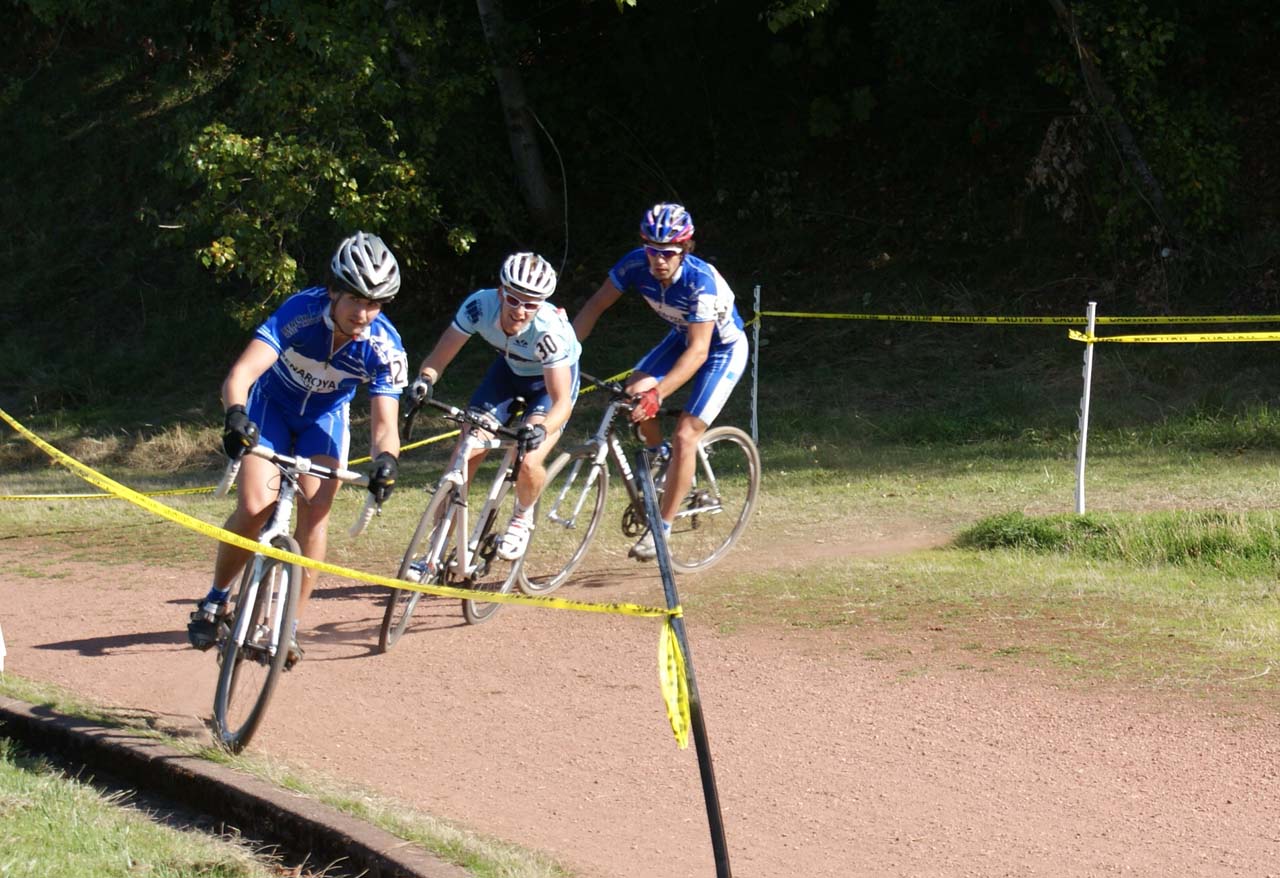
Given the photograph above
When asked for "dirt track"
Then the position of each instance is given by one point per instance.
(832, 760)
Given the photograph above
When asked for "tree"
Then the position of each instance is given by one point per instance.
(521, 133)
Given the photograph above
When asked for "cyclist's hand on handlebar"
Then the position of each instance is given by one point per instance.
(239, 433)
(421, 390)
(647, 404)
(530, 436)
(382, 481)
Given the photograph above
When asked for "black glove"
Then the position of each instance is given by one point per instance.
(530, 436)
(239, 433)
(420, 390)
(382, 481)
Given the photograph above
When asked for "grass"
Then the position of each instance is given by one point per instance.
(56, 826)
(482, 856)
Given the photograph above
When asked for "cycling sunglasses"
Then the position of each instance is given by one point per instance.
(514, 302)
(661, 252)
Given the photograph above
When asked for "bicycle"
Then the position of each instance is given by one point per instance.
(253, 650)
(712, 516)
(438, 554)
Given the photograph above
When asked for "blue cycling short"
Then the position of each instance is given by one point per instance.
(714, 380)
(500, 386)
(285, 432)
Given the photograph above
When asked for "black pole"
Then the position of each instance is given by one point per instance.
(715, 822)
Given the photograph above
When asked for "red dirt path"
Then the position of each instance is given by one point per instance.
(547, 729)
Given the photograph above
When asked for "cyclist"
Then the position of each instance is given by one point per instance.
(291, 389)
(706, 344)
(538, 361)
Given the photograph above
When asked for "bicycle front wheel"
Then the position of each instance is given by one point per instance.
(253, 655)
(424, 561)
(567, 517)
(715, 511)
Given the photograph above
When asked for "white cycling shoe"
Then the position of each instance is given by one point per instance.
(644, 549)
(513, 543)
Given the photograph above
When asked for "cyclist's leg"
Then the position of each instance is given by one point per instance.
(256, 487)
(539, 401)
(255, 495)
(708, 392)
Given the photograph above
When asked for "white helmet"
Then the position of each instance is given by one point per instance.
(529, 274)
(366, 267)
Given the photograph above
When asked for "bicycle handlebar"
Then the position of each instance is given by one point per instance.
(305, 466)
(464, 416)
(625, 399)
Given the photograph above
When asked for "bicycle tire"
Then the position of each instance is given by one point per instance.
(249, 671)
(719, 504)
(561, 536)
(495, 575)
(430, 542)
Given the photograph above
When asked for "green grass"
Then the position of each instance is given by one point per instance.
(482, 856)
(56, 826)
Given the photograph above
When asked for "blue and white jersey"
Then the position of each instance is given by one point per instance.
(547, 340)
(698, 294)
(309, 377)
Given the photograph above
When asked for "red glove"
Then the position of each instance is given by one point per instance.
(647, 403)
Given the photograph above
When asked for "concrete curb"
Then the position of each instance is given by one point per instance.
(292, 820)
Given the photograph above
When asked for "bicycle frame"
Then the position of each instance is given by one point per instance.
(605, 445)
(277, 524)
(467, 561)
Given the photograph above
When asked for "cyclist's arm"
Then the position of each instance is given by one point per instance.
(560, 388)
(451, 341)
(687, 364)
(601, 300)
(384, 414)
(257, 358)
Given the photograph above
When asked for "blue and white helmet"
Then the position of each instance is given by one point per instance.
(529, 275)
(667, 223)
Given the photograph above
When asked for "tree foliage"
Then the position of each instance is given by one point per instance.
(248, 135)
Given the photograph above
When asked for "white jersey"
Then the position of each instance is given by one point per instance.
(547, 340)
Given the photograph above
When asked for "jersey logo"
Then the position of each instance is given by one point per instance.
(473, 312)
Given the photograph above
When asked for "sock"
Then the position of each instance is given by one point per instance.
(216, 595)
(522, 511)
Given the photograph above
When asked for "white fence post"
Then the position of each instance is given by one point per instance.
(755, 372)
(1091, 319)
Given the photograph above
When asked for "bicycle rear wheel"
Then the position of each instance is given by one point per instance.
(253, 655)
(714, 513)
(427, 550)
(567, 516)
(492, 574)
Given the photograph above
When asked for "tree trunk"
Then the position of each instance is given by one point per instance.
(1103, 100)
(521, 132)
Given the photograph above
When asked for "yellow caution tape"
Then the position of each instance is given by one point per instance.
(167, 492)
(411, 446)
(1042, 321)
(674, 682)
(207, 489)
(1187, 338)
(116, 489)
